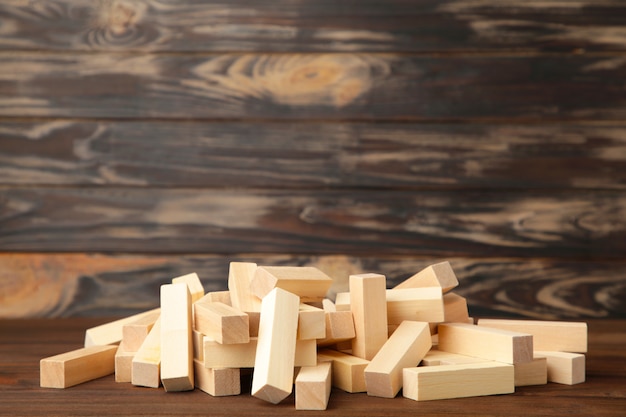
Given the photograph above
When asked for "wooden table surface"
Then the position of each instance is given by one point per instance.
(24, 342)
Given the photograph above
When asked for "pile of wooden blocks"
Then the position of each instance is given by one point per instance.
(416, 337)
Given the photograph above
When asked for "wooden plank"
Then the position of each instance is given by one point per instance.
(564, 367)
(534, 372)
(176, 342)
(487, 343)
(369, 312)
(123, 364)
(405, 348)
(311, 322)
(316, 222)
(457, 381)
(218, 382)
(437, 275)
(416, 304)
(193, 283)
(135, 332)
(240, 275)
(339, 328)
(309, 25)
(391, 155)
(81, 365)
(348, 370)
(146, 371)
(307, 282)
(547, 335)
(437, 357)
(222, 323)
(112, 332)
(313, 385)
(312, 86)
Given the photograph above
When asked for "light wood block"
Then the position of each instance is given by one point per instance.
(415, 304)
(455, 309)
(176, 343)
(564, 367)
(311, 322)
(369, 310)
(438, 275)
(547, 335)
(110, 333)
(405, 348)
(217, 382)
(240, 275)
(272, 380)
(123, 364)
(146, 370)
(348, 370)
(218, 297)
(534, 372)
(328, 305)
(307, 282)
(197, 339)
(484, 342)
(196, 290)
(339, 328)
(78, 366)
(133, 334)
(342, 301)
(313, 385)
(457, 381)
(221, 322)
(437, 357)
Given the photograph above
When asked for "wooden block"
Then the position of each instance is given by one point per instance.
(240, 275)
(415, 304)
(217, 297)
(217, 382)
(564, 367)
(369, 310)
(198, 344)
(110, 333)
(254, 317)
(534, 372)
(455, 309)
(307, 282)
(311, 322)
(123, 364)
(78, 366)
(457, 381)
(221, 322)
(328, 305)
(437, 357)
(438, 275)
(342, 301)
(133, 334)
(547, 335)
(484, 342)
(313, 385)
(405, 348)
(176, 344)
(348, 370)
(146, 370)
(339, 328)
(193, 282)
(272, 379)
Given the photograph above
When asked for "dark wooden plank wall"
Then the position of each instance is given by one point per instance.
(141, 140)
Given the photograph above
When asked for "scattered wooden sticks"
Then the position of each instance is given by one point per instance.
(417, 338)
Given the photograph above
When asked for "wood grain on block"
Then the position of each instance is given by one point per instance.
(534, 372)
(311, 322)
(240, 275)
(111, 333)
(134, 333)
(307, 282)
(222, 323)
(438, 357)
(272, 379)
(254, 317)
(339, 328)
(348, 370)
(193, 282)
(176, 341)
(313, 385)
(369, 310)
(342, 301)
(484, 342)
(146, 370)
(455, 309)
(218, 297)
(437, 275)
(564, 367)
(218, 382)
(404, 349)
(457, 381)
(78, 366)
(547, 335)
(415, 304)
(123, 364)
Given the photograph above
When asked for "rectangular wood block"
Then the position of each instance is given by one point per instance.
(307, 282)
(342, 301)
(218, 297)
(196, 290)
(415, 304)
(405, 348)
(176, 342)
(240, 275)
(313, 385)
(348, 370)
(222, 323)
(146, 370)
(218, 382)
(457, 381)
(368, 304)
(123, 364)
(134, 333)
(534, 372)
(547, 335)
(455, 309)
(339, 328)
(198, 345)
(110, 333)
(437, 357)
(438, 275)
(311, 322)
(78, 366)
(272, 379)
(484, 342)
(564, 367)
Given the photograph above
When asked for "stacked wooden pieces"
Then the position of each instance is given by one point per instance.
(417, 338)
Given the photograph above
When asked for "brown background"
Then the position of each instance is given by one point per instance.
(142, 140)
